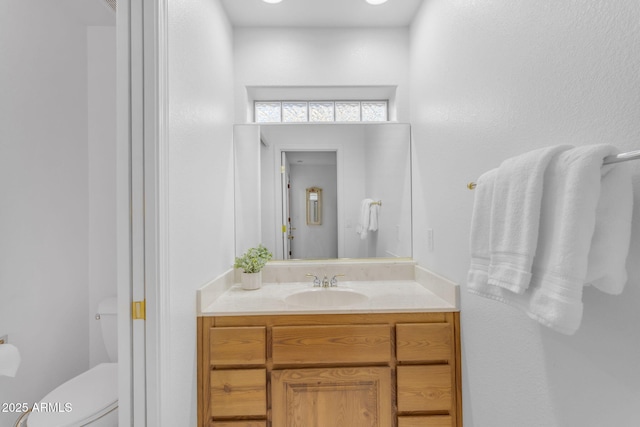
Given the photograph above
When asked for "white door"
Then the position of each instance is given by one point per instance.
(287, 235)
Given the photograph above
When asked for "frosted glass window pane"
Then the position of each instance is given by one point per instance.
(294, 111)
(374, 111)
(267, 112)
(321, 111)
(347, 111)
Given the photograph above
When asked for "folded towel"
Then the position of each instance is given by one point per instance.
(480, 232)
(572, 192)
(515, 217)
(568, 219)
(612, 236)
(365, 214)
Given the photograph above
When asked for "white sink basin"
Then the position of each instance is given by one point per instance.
(326, 297)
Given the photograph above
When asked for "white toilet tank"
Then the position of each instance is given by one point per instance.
(107, 310)
(92, 396)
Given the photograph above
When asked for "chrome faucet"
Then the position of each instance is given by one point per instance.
(325, 282)
(334, 279)
(316, 282)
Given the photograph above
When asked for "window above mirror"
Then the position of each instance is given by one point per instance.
(321, 111)
(320, 104)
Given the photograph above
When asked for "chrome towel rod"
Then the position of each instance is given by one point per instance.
(622, 157)
(618, 158)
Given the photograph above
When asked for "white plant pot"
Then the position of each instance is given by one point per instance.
(251, 281)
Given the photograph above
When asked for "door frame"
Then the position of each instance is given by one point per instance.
(278, 148)
(142, 243)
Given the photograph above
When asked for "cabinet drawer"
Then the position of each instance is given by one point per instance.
(304, 345)
(424, 342)
(239, 424)
(428, 421)
(237, 346)
(238, 392)
(425, 388)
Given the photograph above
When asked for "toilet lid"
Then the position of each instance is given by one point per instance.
(81, 399)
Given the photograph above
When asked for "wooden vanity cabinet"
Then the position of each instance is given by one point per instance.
(339, 370)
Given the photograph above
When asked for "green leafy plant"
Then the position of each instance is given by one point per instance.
(253, 260)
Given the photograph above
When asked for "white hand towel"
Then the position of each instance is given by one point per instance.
(515, 217)
(365, 214)
(374, 211)
(480, 232)
(612, 236)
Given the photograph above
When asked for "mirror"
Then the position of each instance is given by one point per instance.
(314, 206)
(362, 172)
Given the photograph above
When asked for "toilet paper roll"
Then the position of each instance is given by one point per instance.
(9, 360)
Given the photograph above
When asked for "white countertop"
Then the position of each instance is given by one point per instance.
(388, 296)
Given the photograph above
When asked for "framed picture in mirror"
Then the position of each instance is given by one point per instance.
(314, 206)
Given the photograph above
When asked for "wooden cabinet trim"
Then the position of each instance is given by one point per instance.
(330, 319)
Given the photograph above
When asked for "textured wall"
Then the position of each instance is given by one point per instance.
(200, 168)
(489, 80)
(321, 57)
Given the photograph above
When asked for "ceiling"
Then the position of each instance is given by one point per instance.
(320, 13)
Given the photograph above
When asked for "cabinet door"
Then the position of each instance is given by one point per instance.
(336, 397)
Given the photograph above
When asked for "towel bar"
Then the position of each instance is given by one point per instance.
(618, 158)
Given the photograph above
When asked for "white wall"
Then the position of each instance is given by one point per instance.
(490, 80)
(43, 197)
(247, 187)
(321, 57)
(200, 179)
(101, 60)
(388, 179)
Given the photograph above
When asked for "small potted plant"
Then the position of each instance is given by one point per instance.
(251, 263)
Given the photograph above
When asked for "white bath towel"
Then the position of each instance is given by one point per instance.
(480, 231)
(612, 236)
(572, 191)
(365, 215)
(515, 217)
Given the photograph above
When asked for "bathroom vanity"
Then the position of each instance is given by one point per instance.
(290, 354)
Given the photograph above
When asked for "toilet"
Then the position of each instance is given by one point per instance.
(91, 398)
